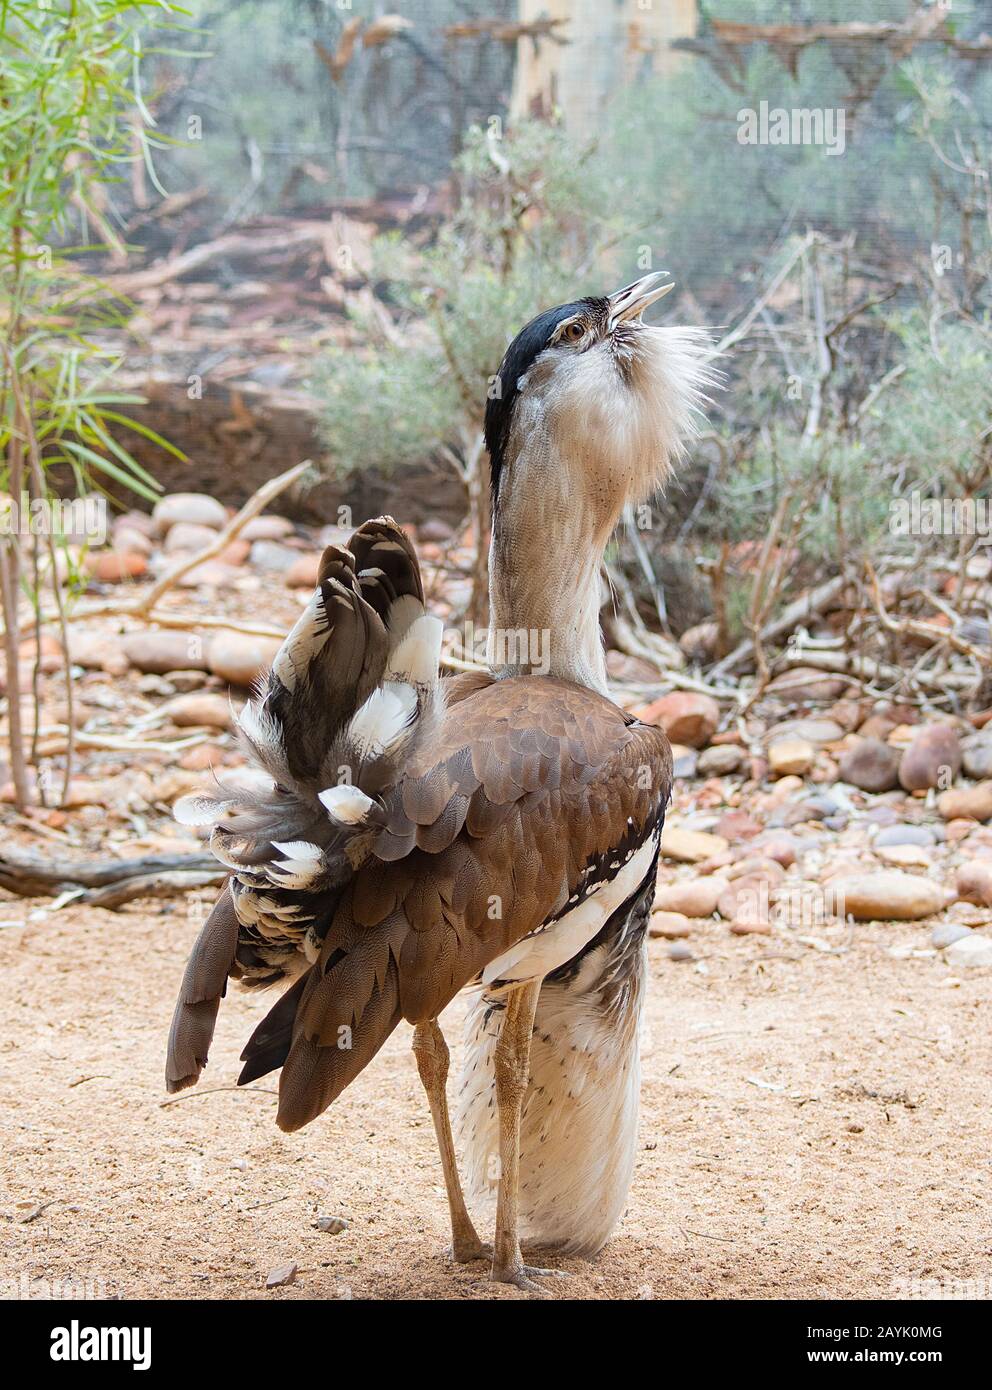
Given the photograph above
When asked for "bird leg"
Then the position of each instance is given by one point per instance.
(431, 1052)
(512, 1066)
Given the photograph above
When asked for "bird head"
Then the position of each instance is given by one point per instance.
(592, 405)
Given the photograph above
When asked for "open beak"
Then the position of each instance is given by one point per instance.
(632, 300)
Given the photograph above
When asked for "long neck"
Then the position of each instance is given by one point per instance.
(544, 580)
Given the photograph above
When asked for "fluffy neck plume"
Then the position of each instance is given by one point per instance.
(590, 434)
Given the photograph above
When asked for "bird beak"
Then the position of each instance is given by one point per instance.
(632, 300)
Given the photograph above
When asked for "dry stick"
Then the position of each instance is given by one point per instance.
(806, 606)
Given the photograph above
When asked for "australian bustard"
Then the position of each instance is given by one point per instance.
(498, 831)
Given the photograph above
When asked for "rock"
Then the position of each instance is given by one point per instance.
(197, 508)
(96, 652)
(187, 535)
(738, 825)
(967, 803)
(933, 759)
(114, 566)
(272, 557)
(685, 717)
(746, 899)
(977, 755)
(693, 897)
(699, 642)
(870, 765)
(904, 835)
(877, 726)
(720, 760)
(198, 759)
(690, 846)
(212, 574)
(885, 895)
(680, 950)
(302, 573)
(200, 708)
(905, 856)
(185, 681)
(235, 553)
(266, 528)
(332, 1225)
(805, 683)
(285, 1274)
(847, 713)
(130, 540)
(781, 848)
(239, 659)
(668, 924)
(945, 934)
(135, 521)
(818, 731)
(974, 882)
(789, 757)
(970, 951)
(159, 652)
(684, 761)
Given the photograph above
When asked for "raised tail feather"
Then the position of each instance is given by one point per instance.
(341, 705)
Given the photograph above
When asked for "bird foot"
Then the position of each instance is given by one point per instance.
(463, 1252)
(525, 1277)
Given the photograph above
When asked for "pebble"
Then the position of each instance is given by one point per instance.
(115, 566)
(668, 924)
(885, 895)
(870, 765)
(680, 950)
(933, 758)
(690, 846)
(164, 651)
(967, 803)
(267, 528)
(945, 934)
(692, 897)
(188, 535)
(902, 834)
(720, 760)
(302, 573)
(239, 658)
(197, 508)
(200, 708)
(790, 757)
(970, 951)
(974, 882)
(977, 755)
(333, 1225)
(272, 557)
(686, 717)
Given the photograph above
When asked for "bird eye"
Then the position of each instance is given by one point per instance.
(573, 332)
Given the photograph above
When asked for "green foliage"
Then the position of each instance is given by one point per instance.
(538, 222)
(71, 104)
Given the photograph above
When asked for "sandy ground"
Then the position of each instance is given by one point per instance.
(814, 1125)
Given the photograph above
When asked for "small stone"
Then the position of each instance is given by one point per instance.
(974, 882)
(684, 762)
(434, 531)
(685, 717)
(970, 951)
(161, 652)
(267, 528)
(197, 508)
(905, 856)
(200, 708)
(790, 757)
(818, 731)
(720, 760)
(905, 835)
(746, 899)
(805, 683)
(945, 934)
(239, 658)
(690, 846)
(95, 652)
(115, 566)
(933, 758)
(185, 681)
(967, 803)
(977, 755)
(276, 1278)
(273, 557)
(131, 541)
(198, 759)
(668, 924)
(333, 1225)
(302, 573)
(885, 895)
(692, 897)
(187, 535)
(738, 825)
(870, 765)
(680, 950)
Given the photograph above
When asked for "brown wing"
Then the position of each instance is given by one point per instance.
(525, 784)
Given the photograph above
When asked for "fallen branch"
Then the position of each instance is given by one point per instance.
(30, 876)
(809, 605)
